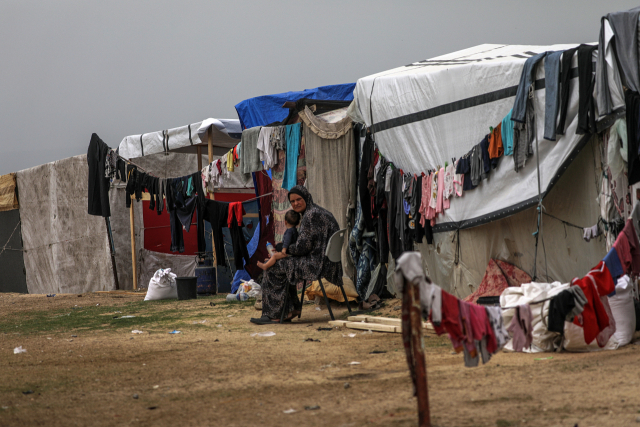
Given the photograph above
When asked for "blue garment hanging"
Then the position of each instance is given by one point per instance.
(293, 135)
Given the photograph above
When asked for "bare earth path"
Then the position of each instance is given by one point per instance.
(84, 366)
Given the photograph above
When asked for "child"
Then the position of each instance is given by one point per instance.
(291, 220)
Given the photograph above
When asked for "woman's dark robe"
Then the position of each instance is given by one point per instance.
(307, 260)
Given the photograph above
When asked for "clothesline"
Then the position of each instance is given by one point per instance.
(530, 303)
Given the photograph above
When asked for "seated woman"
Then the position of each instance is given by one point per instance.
(307, 260)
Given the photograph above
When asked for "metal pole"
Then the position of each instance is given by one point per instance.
(113, 253)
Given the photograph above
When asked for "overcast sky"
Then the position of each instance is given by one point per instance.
(70, 68)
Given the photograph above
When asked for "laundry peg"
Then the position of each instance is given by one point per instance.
(446, 164)
(490, 129)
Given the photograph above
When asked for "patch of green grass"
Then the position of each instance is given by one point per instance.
(148, 314)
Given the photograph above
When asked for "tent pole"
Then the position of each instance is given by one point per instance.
(213, 246)
(133, 245)
(210, 143)
(113, 253)
(417, 346)
(199, 150)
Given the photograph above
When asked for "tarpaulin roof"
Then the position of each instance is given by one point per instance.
(267, 109)
(225, 134)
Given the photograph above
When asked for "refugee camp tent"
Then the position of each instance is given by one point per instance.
(65, 250)
(425, 114)
(12, 271)
(166, 154)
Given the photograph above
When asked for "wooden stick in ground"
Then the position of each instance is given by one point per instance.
(417, 346)
(133, 244)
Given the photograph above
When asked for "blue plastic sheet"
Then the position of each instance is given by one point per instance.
(267, 109)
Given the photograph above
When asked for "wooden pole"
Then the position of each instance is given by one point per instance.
(199, 150)
(210, 150)
(417, 347)
(210, 143)
(133, 244)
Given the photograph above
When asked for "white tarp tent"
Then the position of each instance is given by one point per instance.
(65, 250)
(225, 134)
(425, 113)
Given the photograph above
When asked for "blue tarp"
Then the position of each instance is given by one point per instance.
(267, 109)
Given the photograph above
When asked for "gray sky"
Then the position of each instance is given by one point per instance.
(70, 68)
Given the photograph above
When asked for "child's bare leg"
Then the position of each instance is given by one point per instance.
(268, 264)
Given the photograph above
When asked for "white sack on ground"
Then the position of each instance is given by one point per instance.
(543, 340)
(65, 249)
(624, 315)
(162, 285)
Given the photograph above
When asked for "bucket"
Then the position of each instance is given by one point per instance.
(187, 287)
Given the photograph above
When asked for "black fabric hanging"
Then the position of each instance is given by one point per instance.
(632, 100)
(98, 195)
(365, 196)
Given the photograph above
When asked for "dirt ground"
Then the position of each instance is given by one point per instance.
(84, 367)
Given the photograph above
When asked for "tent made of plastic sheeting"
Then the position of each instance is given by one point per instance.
(428, 112)
(65, 250)
(267, 109)
(225, 134)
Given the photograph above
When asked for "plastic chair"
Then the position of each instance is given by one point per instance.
(334, 254)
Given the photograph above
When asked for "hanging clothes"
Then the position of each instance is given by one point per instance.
(216, 213)
(625, 28)
(249, 155)
(98, 194)
(565, 86)
(586, 83)
(551, 93)
(609, 91)
(268, 152)
(506, 127)
(235, 209)
(363, 182)
(632, 102)
(238, 241)
(520, 327)
(395, 214)
(293, 136)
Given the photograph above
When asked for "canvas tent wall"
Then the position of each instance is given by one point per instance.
(65, 250)
(428, 112)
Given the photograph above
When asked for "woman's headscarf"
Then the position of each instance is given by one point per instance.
(302, 192)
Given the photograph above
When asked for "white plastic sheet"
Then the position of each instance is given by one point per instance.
(65, 249)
